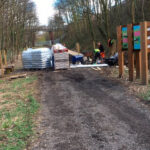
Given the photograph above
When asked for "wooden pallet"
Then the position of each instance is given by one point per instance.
(2, 71)
(73, 53)
(9, 69)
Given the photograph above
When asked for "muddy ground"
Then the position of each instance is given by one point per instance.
(85, 110)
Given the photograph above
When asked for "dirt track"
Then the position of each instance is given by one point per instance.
(83, 110)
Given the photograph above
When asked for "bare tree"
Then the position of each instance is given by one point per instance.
(16, 16)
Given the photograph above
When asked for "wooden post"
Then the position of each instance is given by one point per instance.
(33, 39)
(94, 44)
(1, 62)
(5, 58)
(51, 35)
(78, 47)
(138, 64)
(130, 52)
(144, 53)
(120, 52)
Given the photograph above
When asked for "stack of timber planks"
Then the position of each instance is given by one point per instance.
(61, 57)
(37, 58)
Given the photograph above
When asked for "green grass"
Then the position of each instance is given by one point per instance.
(2, 90)
(146, 96)
(17, 132)
(16, 123)
(18, 84)
(7, 96)
(1, 81)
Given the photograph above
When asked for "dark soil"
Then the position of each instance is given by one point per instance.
(85, 110)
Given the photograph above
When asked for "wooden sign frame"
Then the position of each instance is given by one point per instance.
(141, 56)
(132, 54)
(145, 50)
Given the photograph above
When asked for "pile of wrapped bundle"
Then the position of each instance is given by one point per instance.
(61, 56)
(37, 58)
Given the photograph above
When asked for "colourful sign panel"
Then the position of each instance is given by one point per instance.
(124, 38)
(137, 37)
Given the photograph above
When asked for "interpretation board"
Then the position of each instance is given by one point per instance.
(124, 38)
(137, 37)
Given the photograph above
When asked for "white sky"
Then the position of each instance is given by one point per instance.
(45, 10)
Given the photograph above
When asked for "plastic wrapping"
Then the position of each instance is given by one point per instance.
(37, 58)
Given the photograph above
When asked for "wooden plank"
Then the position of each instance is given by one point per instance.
(121, 64)
(120, 52)
(144, 53)
(148, 42)
(130, 52)
(73, 53)
(138, 64)
(17, 76)
(78, 47)
(148, 24)
(148, 33)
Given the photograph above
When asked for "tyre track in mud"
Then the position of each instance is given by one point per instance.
(84, 110)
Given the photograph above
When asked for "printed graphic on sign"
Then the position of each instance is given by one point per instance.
(137, 37)
(124, 38)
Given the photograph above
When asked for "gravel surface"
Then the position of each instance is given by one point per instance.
(84, 110)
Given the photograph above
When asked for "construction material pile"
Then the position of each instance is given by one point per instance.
(61, 57)
(37, 58)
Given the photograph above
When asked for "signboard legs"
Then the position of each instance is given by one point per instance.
(138, 64)
(120, 52)
(130, 52)
(144, 53)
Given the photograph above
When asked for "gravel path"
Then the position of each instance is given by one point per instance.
(84, 110)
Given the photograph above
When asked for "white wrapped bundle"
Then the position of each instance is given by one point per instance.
(27, 59)
(58, 47)
(37, 58)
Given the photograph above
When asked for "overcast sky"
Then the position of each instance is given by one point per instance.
(45, 10)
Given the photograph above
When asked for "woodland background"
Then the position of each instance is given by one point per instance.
(16, 18)
(95, 20)
(82, 21)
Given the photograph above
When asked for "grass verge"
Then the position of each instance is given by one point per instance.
(146, 94)
(17, 108)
